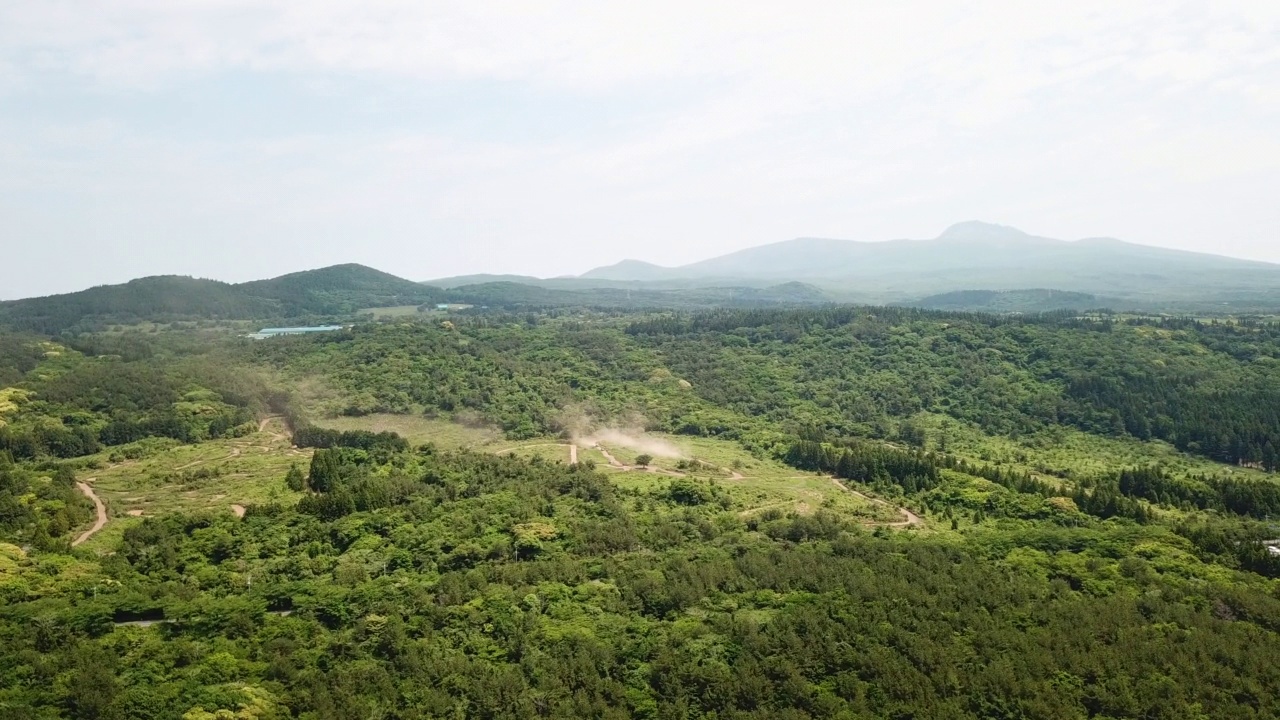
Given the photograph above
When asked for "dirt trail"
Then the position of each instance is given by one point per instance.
(99, 505)
(613, 461)
(734, 474)
(275, 435)
(616, 464)
(909, 518)
(573, 450)
(235, 452)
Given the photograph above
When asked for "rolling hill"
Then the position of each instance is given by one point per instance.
(328, 291)
(972, 266)
(1011, 301)
(341, 290)
(522, 296)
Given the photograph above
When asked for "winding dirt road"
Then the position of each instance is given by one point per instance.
(101, 522)
(275, 434)
(617, 464)
(909, 518)
(573, 450)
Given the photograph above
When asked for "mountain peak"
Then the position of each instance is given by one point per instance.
(976, 230)
(627, 270)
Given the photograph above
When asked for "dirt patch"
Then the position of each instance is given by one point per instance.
(98, 505)
(634, 440)
(238, 510)
(134, 513)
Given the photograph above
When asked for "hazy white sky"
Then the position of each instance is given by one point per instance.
(240, 139)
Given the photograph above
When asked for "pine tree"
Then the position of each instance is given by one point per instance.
(295, 480)
(326, 470)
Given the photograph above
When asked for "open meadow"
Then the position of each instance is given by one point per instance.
(213, 476)
(755, 486)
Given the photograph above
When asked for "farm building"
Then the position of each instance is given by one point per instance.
(265, 333)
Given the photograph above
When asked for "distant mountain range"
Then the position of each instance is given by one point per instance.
(340, 291)
(967, 256)
(971, 267)
(971, 255)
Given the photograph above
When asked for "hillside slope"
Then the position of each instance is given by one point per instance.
(341, 289)
(523, 296)
(1006, 301)
(326, 291)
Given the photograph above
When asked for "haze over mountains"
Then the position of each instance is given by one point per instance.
(971, 266)
(970, 255)
(967, 256)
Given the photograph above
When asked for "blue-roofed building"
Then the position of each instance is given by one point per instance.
(265, 333)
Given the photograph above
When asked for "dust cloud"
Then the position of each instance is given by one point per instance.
(632, 440)
(584, 428)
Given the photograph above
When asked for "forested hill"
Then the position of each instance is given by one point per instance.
(522, 296)
(1022, 301)
(341, 290)
(328, 291)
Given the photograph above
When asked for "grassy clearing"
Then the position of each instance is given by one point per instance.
(1070, 453)
(756, 487)
(765, 485)
(550, 450)
(397, 311)
(417, 430)
(210, 476)
(221, 474)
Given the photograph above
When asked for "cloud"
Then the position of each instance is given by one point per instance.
(546, 137)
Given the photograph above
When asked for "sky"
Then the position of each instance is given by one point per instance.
(241, 139)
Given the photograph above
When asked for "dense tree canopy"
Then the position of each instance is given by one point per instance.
(448, 583)
(411, 581)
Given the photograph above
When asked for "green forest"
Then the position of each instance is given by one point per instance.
(815, 512)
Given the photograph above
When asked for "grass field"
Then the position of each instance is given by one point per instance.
(212, 476)
(221, 474)
(1070, 453)
(417, 429)
(547, 449)
(398, 311)
(756, 486)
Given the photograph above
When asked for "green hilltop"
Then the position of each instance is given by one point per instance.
(337, 290)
